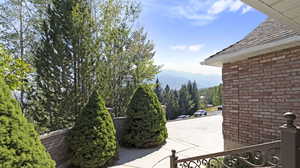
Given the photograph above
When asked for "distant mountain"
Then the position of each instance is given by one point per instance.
(176, 78)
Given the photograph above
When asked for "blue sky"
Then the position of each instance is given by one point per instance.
(185, 32)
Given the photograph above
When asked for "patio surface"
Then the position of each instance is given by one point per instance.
(191, 137)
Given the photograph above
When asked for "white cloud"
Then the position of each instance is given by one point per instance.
(201, 12)
(219, 6)
(246, 9)
(235, 6)
(192, 48)
(196, 47)
(178, 47)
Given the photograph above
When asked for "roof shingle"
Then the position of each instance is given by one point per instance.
(267, 32)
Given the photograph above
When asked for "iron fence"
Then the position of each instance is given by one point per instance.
(284, 153)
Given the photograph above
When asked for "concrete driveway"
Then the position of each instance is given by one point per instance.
(191, 137)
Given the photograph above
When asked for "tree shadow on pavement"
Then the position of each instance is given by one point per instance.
(130, 154)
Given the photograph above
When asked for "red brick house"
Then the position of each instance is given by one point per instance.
(261, 75)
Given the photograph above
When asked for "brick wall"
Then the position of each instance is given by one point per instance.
(257, 91)
(57, 147)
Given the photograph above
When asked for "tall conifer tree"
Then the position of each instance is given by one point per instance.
(66, 61)
(158, 90)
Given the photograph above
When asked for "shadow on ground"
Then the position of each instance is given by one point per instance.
(129, 154)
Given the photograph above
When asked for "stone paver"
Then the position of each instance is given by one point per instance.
(189, 138)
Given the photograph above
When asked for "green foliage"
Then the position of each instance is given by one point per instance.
(195, 97)
(85, 47)
(142, 49)
(146, 120)
(20, 145)
(158, 91)
(66, 62)
(127, 53)
(93, 138)
(171, 100)
(212, 95)
(185, 100)
(14, 71)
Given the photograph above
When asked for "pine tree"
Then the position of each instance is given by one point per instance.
(158, 91)
(66, 61)
(172, 106)
(171, 103)
(93, 138)
(20, 145)
(195, 97)
(166, 95)
(146, 120)
(190, 87)
(185, 100)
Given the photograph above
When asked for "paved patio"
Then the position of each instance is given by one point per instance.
(190, 137)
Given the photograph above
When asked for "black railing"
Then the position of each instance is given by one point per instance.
(284, 153)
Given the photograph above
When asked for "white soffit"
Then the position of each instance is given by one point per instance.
(219, 60)
(286, 11)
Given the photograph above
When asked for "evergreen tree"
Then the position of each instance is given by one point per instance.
(158, 91)
(166, 96)
(146, 120)
(190, 87)
(93, 138)
(172, 106)
(66, 61)
(195, 97)
(82, 50)
(20, 145)
(167, 89)
(185, 100)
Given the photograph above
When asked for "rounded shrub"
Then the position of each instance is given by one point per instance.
(20, 146)
(92, 140)
(146, 120)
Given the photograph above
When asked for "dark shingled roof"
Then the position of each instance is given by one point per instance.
(267, 32)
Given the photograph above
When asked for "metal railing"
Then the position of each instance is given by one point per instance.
(277, 154)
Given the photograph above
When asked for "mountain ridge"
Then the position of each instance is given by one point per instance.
(177, 78)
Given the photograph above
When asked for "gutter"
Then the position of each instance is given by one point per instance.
(219, 60)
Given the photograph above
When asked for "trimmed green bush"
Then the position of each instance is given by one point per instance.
(20, 146)
(146, 120)
(92, 140)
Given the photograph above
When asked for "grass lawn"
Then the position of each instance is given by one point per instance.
(211, 109)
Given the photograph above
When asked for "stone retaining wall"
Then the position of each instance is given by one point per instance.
(57, 147)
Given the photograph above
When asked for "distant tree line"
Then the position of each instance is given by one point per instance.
(184, 101)
(188, 99)
(212, 95)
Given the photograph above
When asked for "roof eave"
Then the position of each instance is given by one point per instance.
(266, 8)
(219, 60)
